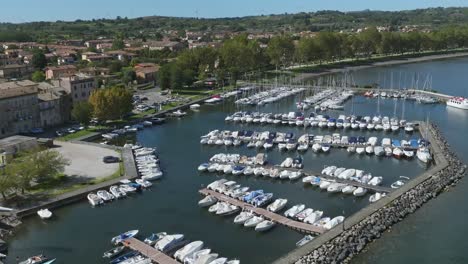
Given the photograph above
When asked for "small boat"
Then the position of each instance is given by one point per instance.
(334, 222)
(44, 213)
(293, 211)
(179, 113)
(277, 205)
(397, 184)
(206, 259)
(304, 214)
(105, 195)
(137, 260)
(192, 258)
(194, 106)
(40, 259)
(228, 209)
(144, 183)
(294, 175)
(313, 217)
(94, 199)
(348, 189)
(188, 250)
(264, 226)
(376, 196)
(115, 190)
(124, 257)
(375, 181)
(324, 184)
(203, 167)
(306, 239)
(155, 237)
(207, 201)
(254, 221)
(113, 252)
(397, 153)
(360, 150)
(360, 192)
(122, 237)
(243, 217)
(169, 242)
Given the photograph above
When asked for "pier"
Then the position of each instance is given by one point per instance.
(149, 251)
(318, 174)
(282, 220)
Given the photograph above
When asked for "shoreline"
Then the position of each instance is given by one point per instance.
(337, 69)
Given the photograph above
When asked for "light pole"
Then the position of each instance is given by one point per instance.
(344, 229)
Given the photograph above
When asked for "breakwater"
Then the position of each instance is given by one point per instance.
(343, 242)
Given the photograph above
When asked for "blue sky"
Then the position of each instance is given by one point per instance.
(51, 10)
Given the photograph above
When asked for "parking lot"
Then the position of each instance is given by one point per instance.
(86, 160)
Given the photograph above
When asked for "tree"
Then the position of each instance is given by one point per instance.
(38, 76)
(164, 76)
(118, 44)
(82, 112)
(39, 60)
(7, 181)
(111, 103)
(128, 75)
(280, 50)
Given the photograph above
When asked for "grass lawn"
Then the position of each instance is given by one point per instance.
(76, 135)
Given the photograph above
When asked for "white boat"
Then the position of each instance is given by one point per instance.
(105, 195)
(124, 236)
(139, 259)
(458, 102)
(360, 150)
(306, 239)
(397, 153)
(347, 174)
(192, 258)
(227, 209)
(203, 167)
(113, 252)
(115, 190)
(188, 250)
(324, 184)
(316, 147)
(287, 163)
(304, 214)
(243, 217)
(335, 187)
(264, 226)
(360, 192)
(219, 261)
(408, 154)
(206, 259)
(207, 201)
(154, 237)
(370, 150)
(397, 184)
(179, 113)
(308, 179)
(277, 205)
(144, 183)
(424, 154)
(194, 106)
(94, 199)
(293, 211)
(254, 221)
(284, 174)
(375, 181)
(168, 242)
(313, 217)
(379, 151)
(376, 196)
(294, 175)
(348, 189)
(44, 213)
(322, 221)
(334, 222)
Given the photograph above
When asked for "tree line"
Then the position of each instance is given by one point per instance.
(240, 55)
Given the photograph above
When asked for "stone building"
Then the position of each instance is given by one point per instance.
(54, 105)
(79, 86)
(19, 108)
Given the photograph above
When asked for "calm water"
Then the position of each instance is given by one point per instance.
(79, 233)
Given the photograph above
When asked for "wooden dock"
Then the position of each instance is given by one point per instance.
(149, 251)
(318, 174)
(299, 226)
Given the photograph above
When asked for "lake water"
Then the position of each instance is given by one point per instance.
(79, 233)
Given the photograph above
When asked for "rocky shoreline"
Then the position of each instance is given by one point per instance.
(352, 241)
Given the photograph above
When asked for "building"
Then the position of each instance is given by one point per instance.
(18, 107)
(9, 146)
(94, 43)
(7, 60)
(17, 71)
(59, 71)
(78, 86)
(160, 45)
(120, 55)
(146, 72)
(54, 105)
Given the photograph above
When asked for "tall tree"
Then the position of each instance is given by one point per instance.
(38, 76)
(281, 50)
(82, 112)
(38, 60)
(111, 103)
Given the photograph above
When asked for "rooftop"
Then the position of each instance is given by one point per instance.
(15, 89)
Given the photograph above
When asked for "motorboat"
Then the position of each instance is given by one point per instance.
(316, 147)
(249, 197)
(258, 171)
(324, 184)
(397, 184)
(215, 207)
(287, 163)
(397, 153)
(169, 242)
(155, 237)
(458, 102)
(248, 171)
(284, 174)
(348, 189)
(144, 183)
(308, 179)
(306, 239)
(294, 175)
(190, 259)
(264, 226)
(408, 153)
(376, 196)
(113, 252)
(179, 113)
(326, 147)
(44, 213)
(243, 217)
(188, 250)
(334, 222)
(115, 190)
(40, 259)
(206, 259)
(203, 167)
(124, 257)
(277, 205)
(254, 221)
(94, 200)
(360, 192)
(424, 154)
(369, 150)
(227, 209)
(322, 221)
(375, 181)
(261, 200)
(304, 214)
(388, 151)
(347, 174)
(360, 150)
(293, 211)
(207, 201)
(139, 259)
(379, 151)
(213, 167)
(313, 217)
(335, 187)
(338, 171)
(124, 236)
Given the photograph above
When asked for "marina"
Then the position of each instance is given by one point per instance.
(180, 168)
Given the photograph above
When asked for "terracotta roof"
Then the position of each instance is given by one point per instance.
(64, 67)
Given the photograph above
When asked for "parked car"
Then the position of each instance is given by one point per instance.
(110, 159)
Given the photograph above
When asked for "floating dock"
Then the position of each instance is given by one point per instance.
(149, 251)
(299, 226)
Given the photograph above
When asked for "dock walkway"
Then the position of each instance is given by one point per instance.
(299, 226)
(149, 251)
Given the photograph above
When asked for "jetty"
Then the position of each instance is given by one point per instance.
(149, 251)
(282, 220)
